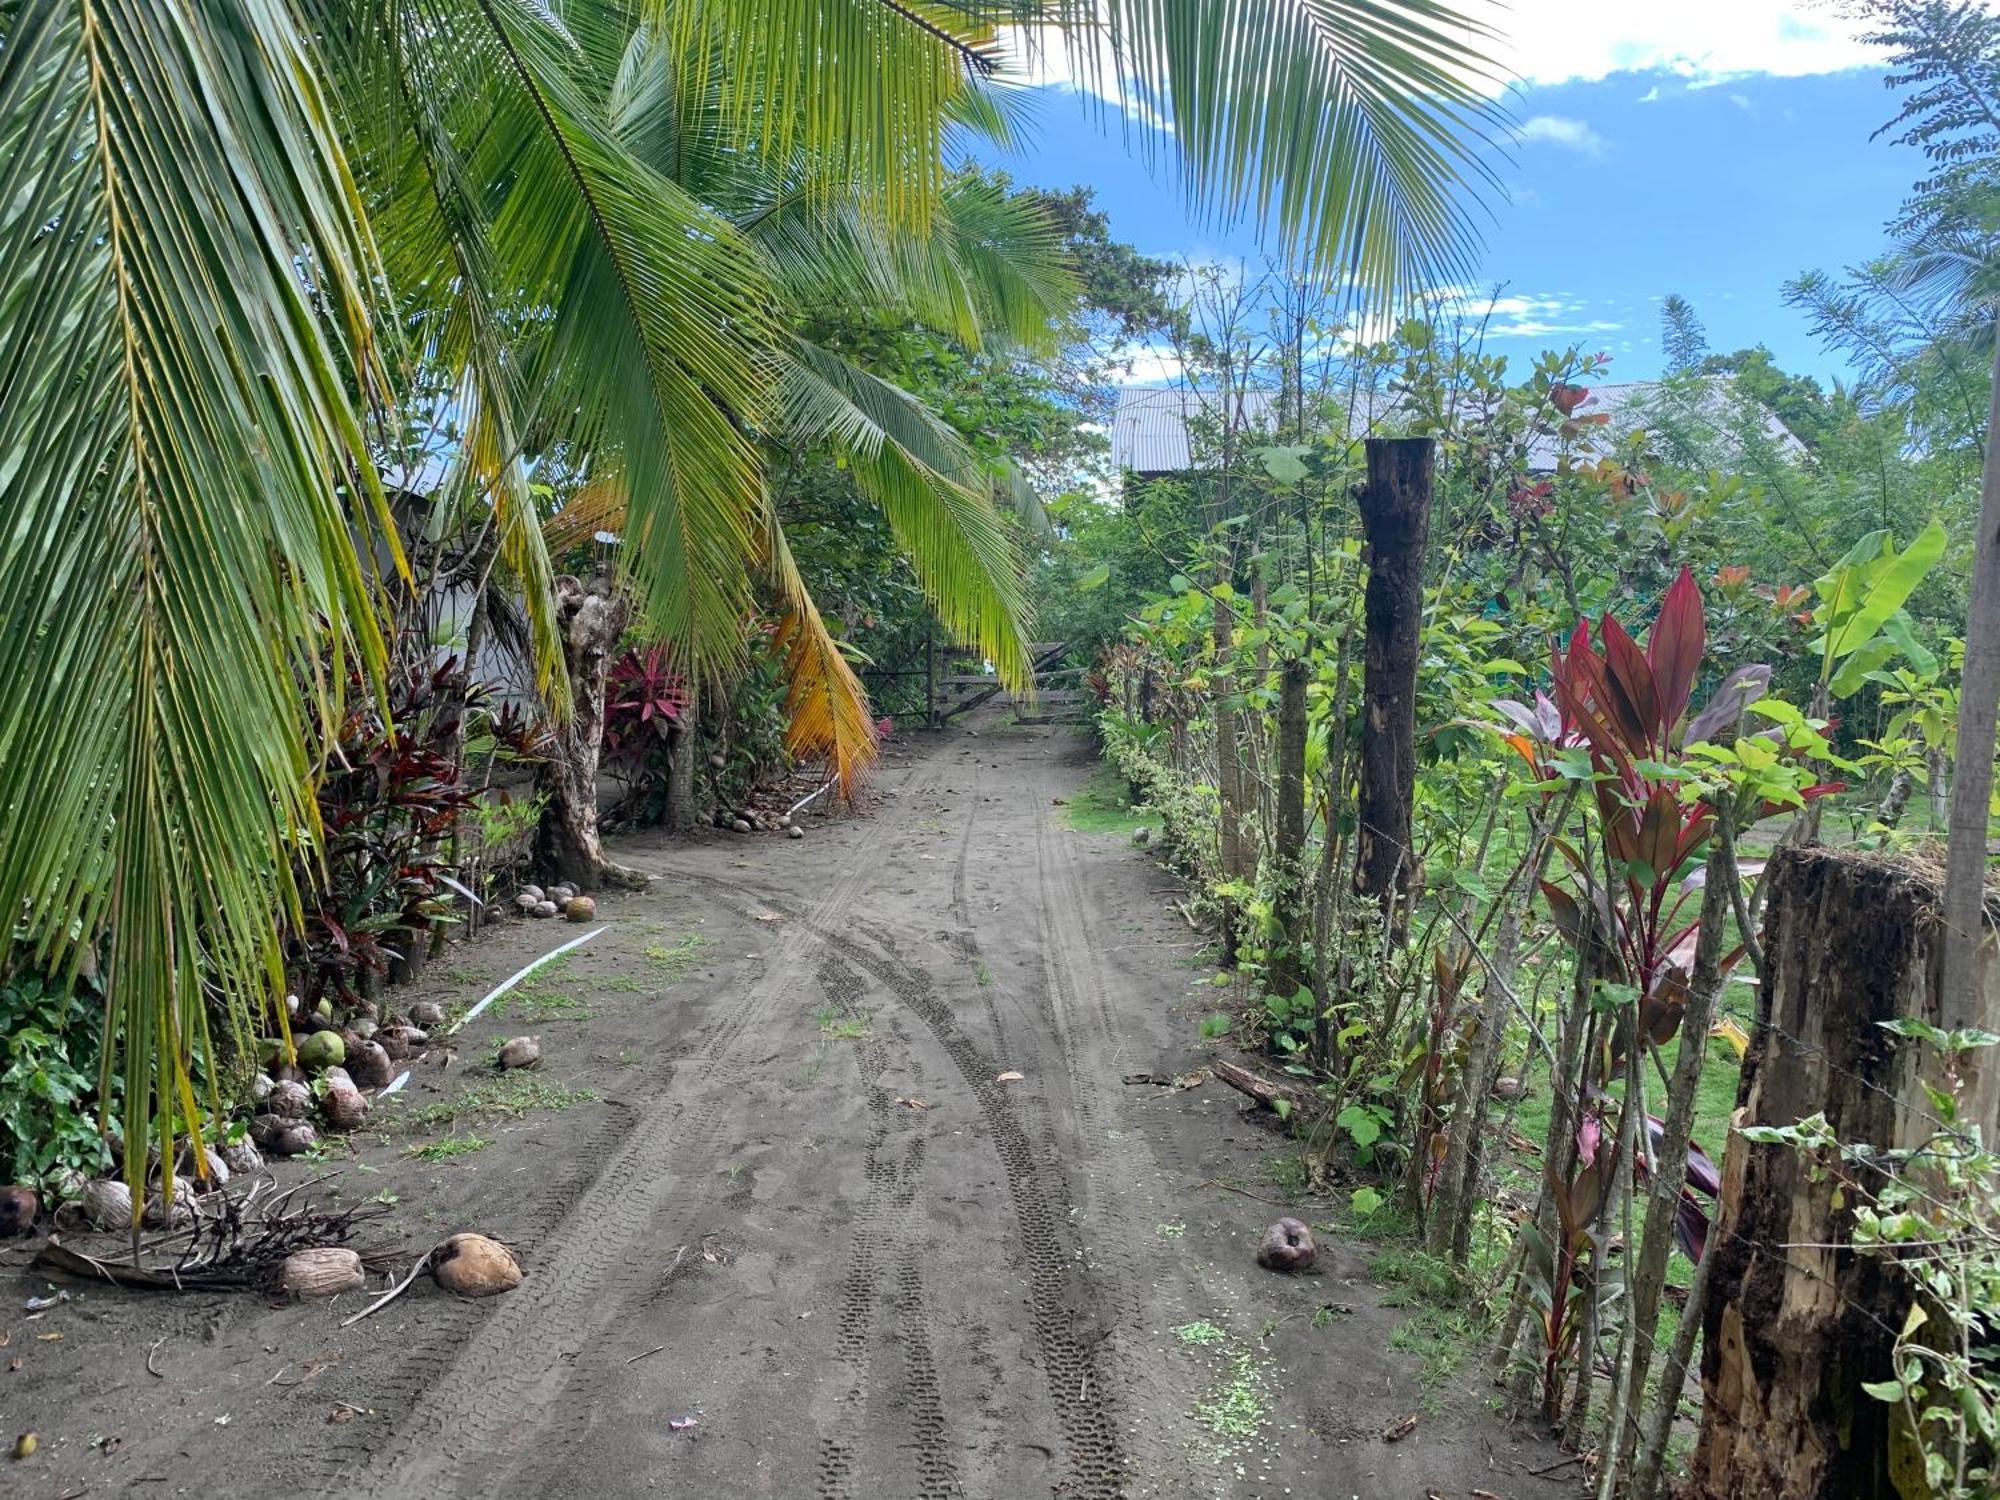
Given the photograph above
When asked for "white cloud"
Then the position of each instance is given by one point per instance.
(1651, 95)
(1703, 41)
(1558, 130)
(1525, 315)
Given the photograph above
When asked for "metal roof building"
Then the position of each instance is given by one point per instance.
(1149, 432)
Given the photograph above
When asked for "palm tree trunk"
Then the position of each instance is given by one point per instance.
(567, 847)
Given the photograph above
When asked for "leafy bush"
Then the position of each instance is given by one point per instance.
(51, 1039)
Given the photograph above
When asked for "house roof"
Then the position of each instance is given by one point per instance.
(1149, 431)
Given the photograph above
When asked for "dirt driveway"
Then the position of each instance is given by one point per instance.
(787, 1233)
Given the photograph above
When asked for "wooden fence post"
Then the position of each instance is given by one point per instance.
(1395, 516)
(1795, 1322)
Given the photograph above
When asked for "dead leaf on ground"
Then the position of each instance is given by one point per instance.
(47, 1338)
(715, 1252)
(1399, 1429)
(1192, 1080)
(682, 1424)
(767, 916)
(1481, 1495)
(915, 1103)
(1010, 1077)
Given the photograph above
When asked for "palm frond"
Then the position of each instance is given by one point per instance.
(826, 707)
(934, 492)
(185, 485)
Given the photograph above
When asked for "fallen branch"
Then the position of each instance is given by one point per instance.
(423, 1263)
(1268, 1092)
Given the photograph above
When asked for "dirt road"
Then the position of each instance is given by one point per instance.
(788, 1233)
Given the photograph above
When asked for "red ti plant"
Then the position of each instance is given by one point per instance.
(1618, 720)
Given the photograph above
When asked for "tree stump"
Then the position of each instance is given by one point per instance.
(1396, 516)
(1794, 1321)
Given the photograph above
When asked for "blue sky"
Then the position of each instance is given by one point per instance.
(1708, 148)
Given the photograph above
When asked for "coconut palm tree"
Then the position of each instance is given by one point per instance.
(231, 230)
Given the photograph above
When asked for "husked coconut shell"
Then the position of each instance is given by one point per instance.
(344, 1108)
(175, 1214)
(108, 1204)
(370, 1066)
(288, 1100)
(336, 1078)
(718, 762)
(561, 893)
(533, 891)
(474, 1266)
(795, 832)
(521, 1052)
(1287, 1246)
(242, 1158)
(324, 1272)
(364, 1028)
(580, 908)
(545, 908)
(18, 1208)
(427, 1013)
(1508, 1088)
(741, 826)
(210, 1158)
(390, 1039)
(525, 904)
(296, 1139)
(261, 1086)
(286, 1073)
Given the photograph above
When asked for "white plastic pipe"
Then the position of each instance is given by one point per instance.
(514, 979)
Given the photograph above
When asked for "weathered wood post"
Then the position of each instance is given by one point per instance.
(1395, 518)
(1795, 1322)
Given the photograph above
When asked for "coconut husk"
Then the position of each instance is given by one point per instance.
(474, 1266)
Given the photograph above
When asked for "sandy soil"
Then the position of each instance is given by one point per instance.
(755, 1267)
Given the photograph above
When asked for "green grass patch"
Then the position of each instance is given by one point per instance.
(673, 960)
(981, 973)
(1234, 1412)
(1201, 1331)
(511, 1096)
(1102, 806)
(448, 1148)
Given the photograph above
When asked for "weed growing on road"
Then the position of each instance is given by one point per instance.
(1199, 1332)
(449, 1147)
(840, 1028)
(816, 1064)
(676, 958)
(980, 972)
(1170, 1231)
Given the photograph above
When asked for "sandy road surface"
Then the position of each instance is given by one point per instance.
(800, 1241)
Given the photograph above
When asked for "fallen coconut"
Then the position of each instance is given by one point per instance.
(260, 1087)
(521, 1052)
(18, 1208)
(718, 762)
(210, 1161)
(323, 1049)
(1508, 1088)
(108, 1204)
(295, 1139)
(579, 908)
(67, 1185)
(534, 891)
(324, 1272)
(740, 826)
(336, 1078)
(242, 1157)
(290, 1100)
(344, 1108)
(427, 1013)
(174, 1213)
(795, 832)
(1287, 1246)
(474, 1266)
(370, 1066)
(525, 904)
(364, 1028)
(545, 908)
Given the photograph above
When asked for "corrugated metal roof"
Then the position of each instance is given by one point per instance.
(1149, 432)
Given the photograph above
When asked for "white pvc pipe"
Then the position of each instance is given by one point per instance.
(514, 979)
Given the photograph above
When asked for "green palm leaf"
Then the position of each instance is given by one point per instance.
(184, 474)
